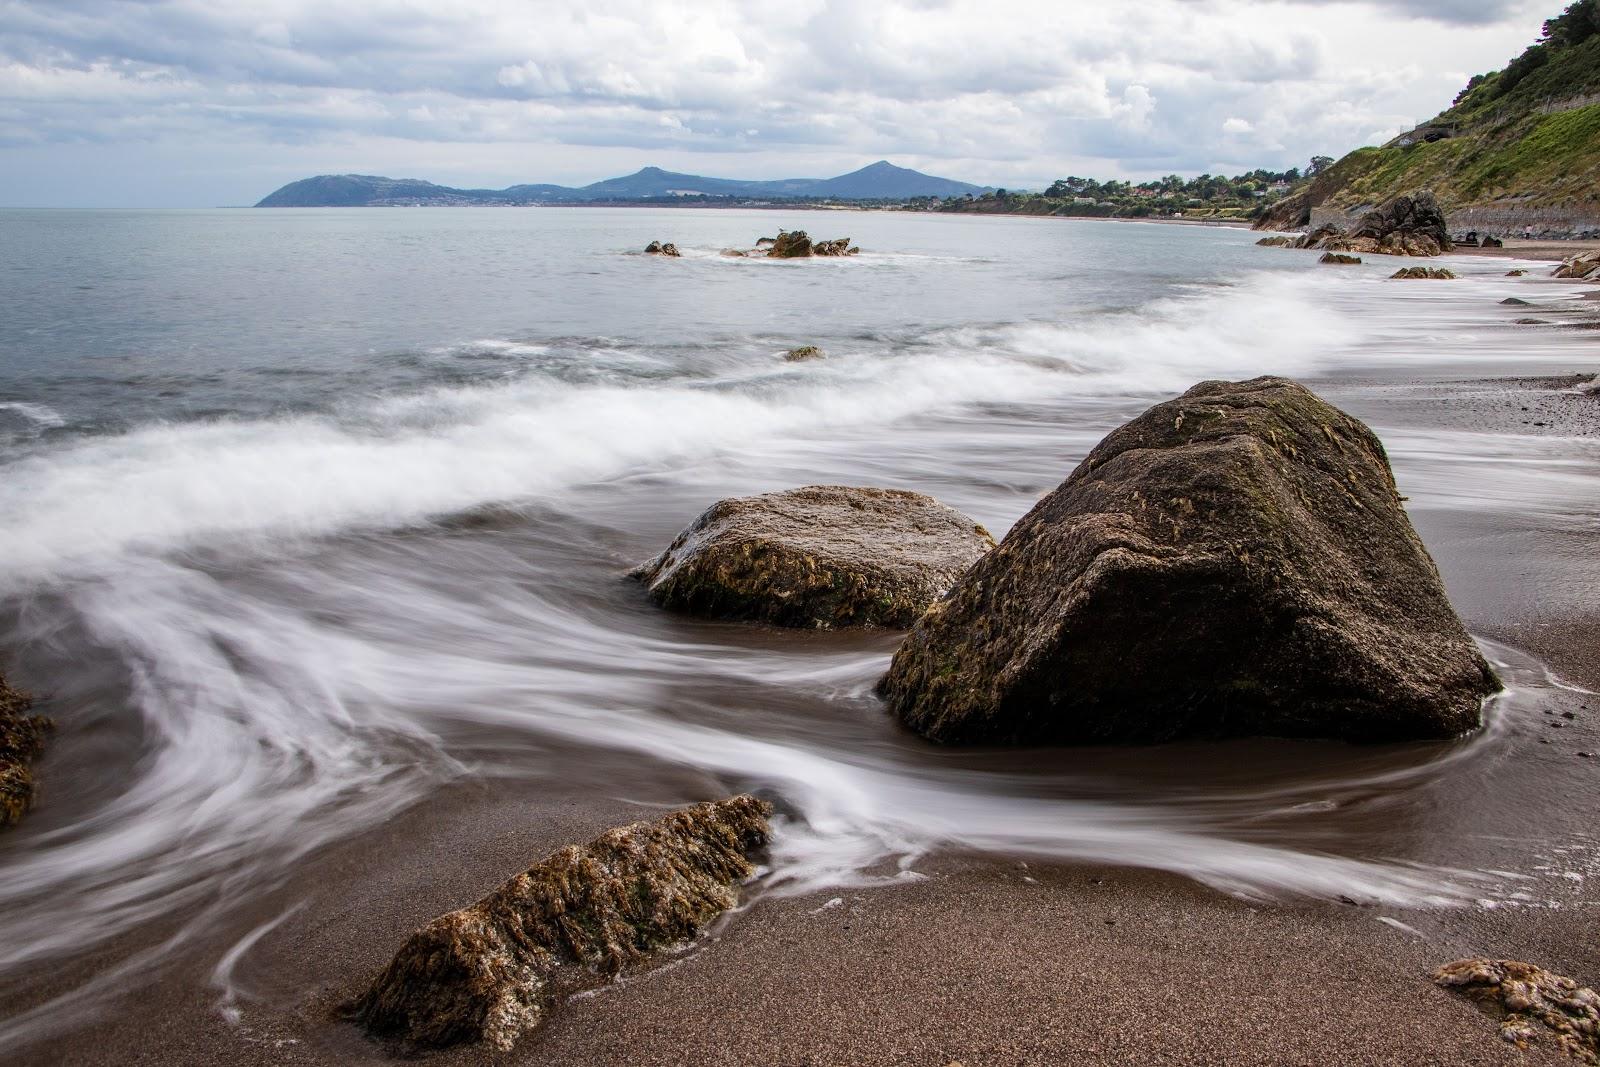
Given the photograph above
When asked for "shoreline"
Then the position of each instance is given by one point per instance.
(983, 958)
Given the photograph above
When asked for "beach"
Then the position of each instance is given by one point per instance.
(1291, 916)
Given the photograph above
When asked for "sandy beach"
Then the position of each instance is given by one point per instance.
(978, 960)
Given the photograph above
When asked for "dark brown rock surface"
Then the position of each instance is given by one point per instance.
(1232, 562)
(1425, 273)
(493, 970)
(21, 740)
(823, 556)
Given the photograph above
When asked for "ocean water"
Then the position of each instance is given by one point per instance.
(306, 515)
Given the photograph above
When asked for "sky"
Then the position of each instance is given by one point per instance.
(193, 103)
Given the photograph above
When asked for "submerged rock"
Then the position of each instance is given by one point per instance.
(1516, 302)
(1232, 562)
(1338, 258)
(824, 556)
(1515, 273)
(804, 352)
(1435, 273)
(1531, 322)
(1531, 1003)
(492, 971)
(21, 740)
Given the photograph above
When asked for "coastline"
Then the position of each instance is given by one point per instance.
(982, 959)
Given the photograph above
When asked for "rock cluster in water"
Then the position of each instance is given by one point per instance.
(21, 740)
(1232, 562)
(1338, 259)
(823, 556)
(1584, 265)
(1430, 273)
(1531, 1003)
(492, 971)
(656, 248)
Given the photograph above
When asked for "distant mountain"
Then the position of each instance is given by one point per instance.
(880, 181)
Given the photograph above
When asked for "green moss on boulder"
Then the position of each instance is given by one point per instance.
(1232, 562)
(823, 556)
(492, 971)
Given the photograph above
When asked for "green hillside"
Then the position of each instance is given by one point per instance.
(1527, 135)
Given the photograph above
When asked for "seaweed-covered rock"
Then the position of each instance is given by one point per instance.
(839, 246)
(1232, 562)
(1338, 259)
(1433, 273)
(824, 556)
(803, 353)
(1531, 1003)
(492, 971)
(21, 740)
(1279, 241)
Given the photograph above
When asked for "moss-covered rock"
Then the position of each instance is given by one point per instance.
(1232, 562)
(1430, 273)
(21, 740)
(492, 971)
(803, 353)
(823, 556)
(1531, 1003)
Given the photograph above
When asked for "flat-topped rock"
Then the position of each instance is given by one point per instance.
(1232, 562)
(823, 556)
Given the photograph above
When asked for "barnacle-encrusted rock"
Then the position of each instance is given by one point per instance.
(1338, 258)
(21, 739)
(822, 556)
(1528, 1001)
(803, 353)
(493, 970)
(1235, 561)
(1434, 273)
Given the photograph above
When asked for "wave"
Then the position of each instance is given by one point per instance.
(398, 460)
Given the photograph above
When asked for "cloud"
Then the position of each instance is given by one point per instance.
(998, 91)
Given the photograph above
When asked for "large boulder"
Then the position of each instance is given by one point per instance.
(1410, 225)
(1583, 265)
(21, 740)
(492, 971)
(1232, 562)
(824, 556)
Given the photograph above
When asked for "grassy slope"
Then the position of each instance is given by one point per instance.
(1507, 148)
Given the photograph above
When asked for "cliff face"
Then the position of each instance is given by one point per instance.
(1518, 147)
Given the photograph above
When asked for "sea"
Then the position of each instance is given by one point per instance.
(309, 515)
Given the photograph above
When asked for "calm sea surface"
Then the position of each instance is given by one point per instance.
(306, 514)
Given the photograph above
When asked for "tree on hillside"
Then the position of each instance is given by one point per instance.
(1319, 164)
(1578, 23)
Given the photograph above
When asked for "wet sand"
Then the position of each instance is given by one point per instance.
(982, 960)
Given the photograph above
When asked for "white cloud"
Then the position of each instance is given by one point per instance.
(1012, 92)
